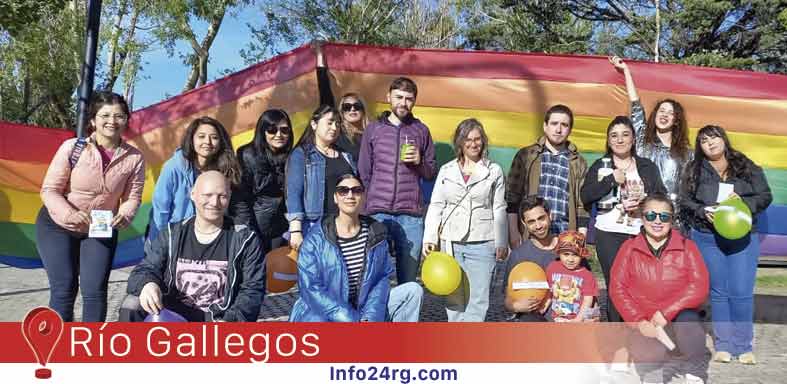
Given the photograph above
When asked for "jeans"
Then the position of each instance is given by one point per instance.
(691, 356)
(404, 303)
(471, 300)
(406, 232)
(732, 265)
(72, 260)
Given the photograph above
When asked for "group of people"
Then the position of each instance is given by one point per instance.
(348, 196)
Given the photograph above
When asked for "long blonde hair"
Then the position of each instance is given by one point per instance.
(364, 120)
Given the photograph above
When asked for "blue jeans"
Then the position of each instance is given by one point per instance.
(471, 300)
(732, 265)
(404, 303)
(406, 233)
(72, 260)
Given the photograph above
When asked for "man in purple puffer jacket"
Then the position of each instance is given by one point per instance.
(397, 152)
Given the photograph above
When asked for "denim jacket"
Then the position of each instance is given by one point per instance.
(305, 191)
(323, 283)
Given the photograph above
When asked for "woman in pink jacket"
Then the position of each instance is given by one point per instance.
(86, 177)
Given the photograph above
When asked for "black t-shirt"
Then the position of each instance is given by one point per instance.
(202, 269)
(333, 169)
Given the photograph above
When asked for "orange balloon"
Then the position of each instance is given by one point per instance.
(527, 280)
(281, 269)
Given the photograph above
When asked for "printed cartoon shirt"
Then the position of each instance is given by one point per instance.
(567, 288)
(201, 271)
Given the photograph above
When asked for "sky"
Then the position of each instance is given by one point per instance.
(165, 76)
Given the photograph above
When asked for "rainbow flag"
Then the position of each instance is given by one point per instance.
(507, 92)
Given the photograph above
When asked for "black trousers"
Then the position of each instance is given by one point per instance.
(607, 245)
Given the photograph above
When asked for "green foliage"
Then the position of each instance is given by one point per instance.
(15, 15)
(536, 26)
(40, 66)
(403, 23)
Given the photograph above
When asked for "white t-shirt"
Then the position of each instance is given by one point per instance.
(610, 221)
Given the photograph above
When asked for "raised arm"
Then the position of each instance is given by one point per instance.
(618, 63)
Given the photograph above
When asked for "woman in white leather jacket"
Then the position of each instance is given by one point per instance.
(467, 216)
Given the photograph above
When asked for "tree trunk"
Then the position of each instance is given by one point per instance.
(113, 70)
(658, 31)
(199, 63)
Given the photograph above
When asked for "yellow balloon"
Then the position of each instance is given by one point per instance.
(441, 273)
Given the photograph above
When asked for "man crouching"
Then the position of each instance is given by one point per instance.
(203, 268)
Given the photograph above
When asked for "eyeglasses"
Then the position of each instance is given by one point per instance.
(347, 107)
(113, 117)
(285, 130)
(344, 191)
(664, 217)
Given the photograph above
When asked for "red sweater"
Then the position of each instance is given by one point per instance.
(641, 284)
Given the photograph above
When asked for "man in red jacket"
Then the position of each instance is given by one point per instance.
(659, 279)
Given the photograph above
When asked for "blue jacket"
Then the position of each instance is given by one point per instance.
(305, 191)
(171, 196)
(323, 283)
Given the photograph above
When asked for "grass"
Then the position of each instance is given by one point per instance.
(772, 281)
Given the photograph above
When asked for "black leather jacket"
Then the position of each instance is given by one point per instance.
(259, 200)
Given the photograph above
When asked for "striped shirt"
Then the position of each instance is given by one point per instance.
(354, 252)
(553, 187)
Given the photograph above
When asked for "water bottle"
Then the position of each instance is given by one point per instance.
(608, 201)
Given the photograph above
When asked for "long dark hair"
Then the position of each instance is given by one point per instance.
(308, 133)
(624, 120)
(679, 148)
(271, 118)
(223, 161)
(738, 165)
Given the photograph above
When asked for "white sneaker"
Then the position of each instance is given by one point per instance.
(691, 379)
(619, 367)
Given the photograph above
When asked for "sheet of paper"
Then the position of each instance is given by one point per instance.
(529, 285)
(725, 190)
(100, 224)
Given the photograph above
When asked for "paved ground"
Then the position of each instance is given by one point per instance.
(21, 290)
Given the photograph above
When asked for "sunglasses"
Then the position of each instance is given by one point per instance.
(344, 191)
(664, 217)
(347, 107)
(273, 129)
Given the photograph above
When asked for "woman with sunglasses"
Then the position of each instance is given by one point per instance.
(259, 200)
(99, 173)
(353, 109)
(659, 280)
(312, 170)
(617, 194)
(205, 146)
(732, 263)
(344, 267)
(468, 204)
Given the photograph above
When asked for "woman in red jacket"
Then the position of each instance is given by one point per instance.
(658, 278)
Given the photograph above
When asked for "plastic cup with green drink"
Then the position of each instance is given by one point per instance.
(404, 149)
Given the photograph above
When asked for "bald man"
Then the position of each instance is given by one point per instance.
(203, 268)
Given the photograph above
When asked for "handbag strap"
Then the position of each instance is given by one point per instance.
(442, 222)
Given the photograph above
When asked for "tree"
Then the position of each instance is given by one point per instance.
(719, 33)
(177, 20)
(15, 15)
(40, 66)
(404, 23)
(540, 26)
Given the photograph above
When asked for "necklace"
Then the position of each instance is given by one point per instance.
(327, 151)
(206, 233)
(628, 164)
